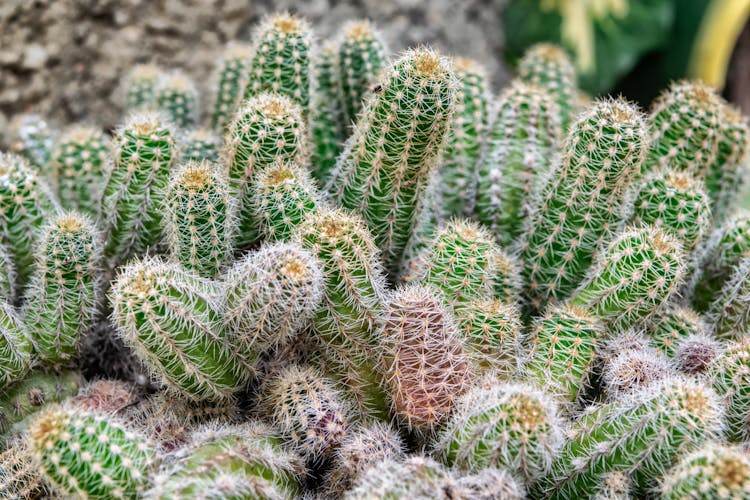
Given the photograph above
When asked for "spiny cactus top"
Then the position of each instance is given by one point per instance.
(361, 56)
(200, 144)
(673, 324)
(16, 348)
(684, 122)
(19, 476)
(228, 86)
(417, 478)
(551, 68)
(326, 127)
(281, 59)
(578, 209)
(177, 97)
(393, 147)
(714, 471)
(140, 87)
(79, 161)
(630, 370)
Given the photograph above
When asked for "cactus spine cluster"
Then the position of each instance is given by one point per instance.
(730, 375)
(729, 315)
(714, 471)
(16, 347)
(79, 161)
(673, 324)
(326, 128)
(199, 145)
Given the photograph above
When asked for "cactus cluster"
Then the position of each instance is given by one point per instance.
(371, 275)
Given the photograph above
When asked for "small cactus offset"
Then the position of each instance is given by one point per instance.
(16, 347)
(673, 324)
(729, 315)
(79, 162)
(281, 59)
(730, 373)
(417, 478)
(271, 295)
(171, 319)
(131, 205)
(577, 211)
(199, 145)
(32, 138)
(177, 97)
(62, 297)
(89, 455)
(520, 150)
(551, 68)
(395, 143)
(228, 85)
(200, 217)
(630, 370)
(140, 88)
(633, 278)
(267, 129)
(361, 57)
(326, 130)
(696, 354)
(714, 471)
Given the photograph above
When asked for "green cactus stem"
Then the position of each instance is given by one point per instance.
(79, 160)
(551, 68)
(326, 131)
(731, 379)
(228, 85)
(177, 97)
(673, 324)
(199, 145)
(140, 88)
(729, 315)
(16, 347)
(713, 471)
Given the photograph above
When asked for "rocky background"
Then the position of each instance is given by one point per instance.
(64, 58)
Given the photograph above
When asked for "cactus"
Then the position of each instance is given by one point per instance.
(89, 455)
(639, 436)
(361, 57)
(489, 484)
(7, 276)
(631, 370)
(79, 160)
(271, 295)
(265, 130)
(236, 461)
(552, 69)
(33, 139)
(731, 379)
(140, 88)
(172, 320)
(428, 219)
(361, 448)
(228, 84)
(133, 194)
(309, 409)
(722, 253)
(729, 315)
(19, 478)
(282, 196)
(200, 213)
(199, 145)
(675, 202)
(670, 326)
(416, 478)
(325, 113)
(696, 353)
(521, 149)
(563, 352)
(387, 160)
(576, 212)
(615, 486)
(713, 471)
(106, 396)
(176, 97)
(636, 275)
(16, 347)
(62, 297)
(281, 59)
(684, 121)
(25, 202)
(502, 425)
(427, 368)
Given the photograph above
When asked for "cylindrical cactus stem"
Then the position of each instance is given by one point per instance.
(428, 218)
(464, 139)
(177, 97)
(520, 150)
(62, 297)
(633, 278)
(25, 202)
(718, 259)
(233, 461)
(140, 88)
(199, 145)
(713, 471)
(729, 315)
(361, 57)
(88, 454)
(79, 161)
(387, 160)
(502, 425)
(673, 201)
(271, 295)
(309, 409)
(281, 59)
(228, 83)
(32, 138)
(577, 212)
(133, 194)
(563, 352)
(551, 68)
(630, 370)
(31, 394)
(490, 483)
(491, 330)
(266, 129)
(200, 217)
(641, 436)
(671, 325)
(19, 477)
(696, 353)
(427, 368)
(361, 448)
(16, 347)
(326, 131)
(283, 194)
(417, 477)
(731, 378)
(684, 121)
(171, 318)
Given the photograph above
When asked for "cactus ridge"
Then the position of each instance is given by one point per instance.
(79, 159)
(228, 83)
(177, 97)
